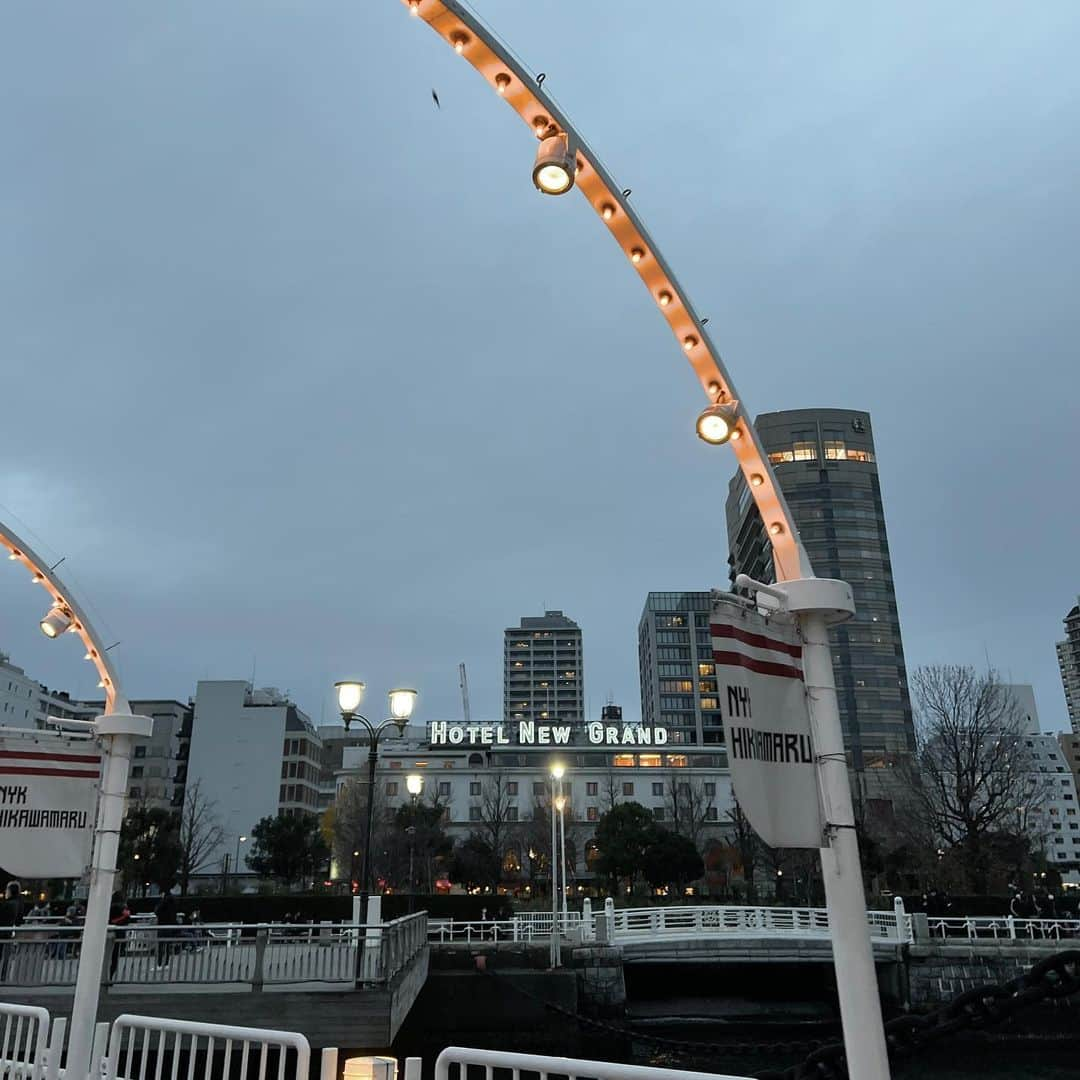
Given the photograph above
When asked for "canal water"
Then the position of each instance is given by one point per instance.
(495, 1014)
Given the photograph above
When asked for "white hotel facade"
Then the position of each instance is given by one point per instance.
(662, 778)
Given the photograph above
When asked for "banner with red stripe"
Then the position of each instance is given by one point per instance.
(48, 796)
(760, 691)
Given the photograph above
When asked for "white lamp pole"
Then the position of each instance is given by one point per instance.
(564, 161)
(557, 770)
(560, 805)
(115, 730)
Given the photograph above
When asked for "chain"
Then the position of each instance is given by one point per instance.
(1055, 978)
(682, 1045)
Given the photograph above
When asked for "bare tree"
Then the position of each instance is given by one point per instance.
(749, 846)
(688, 805)
(498, 813)
(348, 825)
(201, 833)
(974, 781)
(612, 789)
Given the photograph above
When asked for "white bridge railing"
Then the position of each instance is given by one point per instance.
(645, 924)
(1002, 928)
(222, 955)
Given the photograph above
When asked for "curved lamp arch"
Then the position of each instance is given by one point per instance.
(524, 93)
(61, 596)
(815, 601)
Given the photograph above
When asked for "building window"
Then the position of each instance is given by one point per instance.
(539, 787)
(627, 788)
(391, 788)
(658, 813)
(591, 787)
(474, 787)
(712, 814)
(511, 813)
(592, 814)
(140, 751)
(658, 789)
(511, 787)
(474, 813)
(444, 789)
(136, 772)
(710, 789)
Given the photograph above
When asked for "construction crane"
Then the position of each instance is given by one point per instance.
(464, 681)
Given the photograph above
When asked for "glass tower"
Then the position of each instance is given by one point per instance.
(825, 462)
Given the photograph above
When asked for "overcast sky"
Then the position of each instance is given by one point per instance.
(302, 375)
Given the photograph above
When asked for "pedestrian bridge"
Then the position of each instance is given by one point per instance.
(742, 933)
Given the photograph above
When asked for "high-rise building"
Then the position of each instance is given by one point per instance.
(1068, 654)
(678, 678)
(255, 754)
(542, 670)
(825, 463)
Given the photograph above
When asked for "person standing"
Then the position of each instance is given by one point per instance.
(166, 921)
(119, 917)
(11, 915)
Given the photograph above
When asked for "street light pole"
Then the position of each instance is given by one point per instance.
(350, 694)
(560, 804)
(236, 858)
(557, 771)
(414, 784)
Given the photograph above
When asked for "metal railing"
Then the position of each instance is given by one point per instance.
(530, 926)
(1002, 928)
(459, 1063)
(141, 1046)
(23, 1047)
(643, 924)
(226, 955)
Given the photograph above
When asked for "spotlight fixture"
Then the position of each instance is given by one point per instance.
(55, 622)
(502, 82)
(553, 172)
(716, 424)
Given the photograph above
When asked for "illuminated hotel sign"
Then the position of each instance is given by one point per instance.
(531, 733)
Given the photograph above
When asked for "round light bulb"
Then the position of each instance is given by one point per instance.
(665, 298)
(502, 82)
(414, 782)
(560, 803)
(350, 692)
(553, 179)
(607, 211)
(558, 770)
(776, 528)
(414, 7)
(716, 424)
(402, 702)
(636, 255)
(689, 342)
(757, 479)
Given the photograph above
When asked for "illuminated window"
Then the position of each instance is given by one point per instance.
(511, 861)
(624, 761)
(710, 703)
(706, 669)
(652, 761)
(804, 451)
(592, 814)
(860, 455)
(835, 450)
(676, 761)
(781, 457)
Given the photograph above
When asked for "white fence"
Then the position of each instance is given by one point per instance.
(141, 1046)
(223, 954)
(24, 1052)
(1004, 928)
(645, 924)
(458, 1063)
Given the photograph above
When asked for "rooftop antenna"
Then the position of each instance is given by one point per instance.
(463, 681)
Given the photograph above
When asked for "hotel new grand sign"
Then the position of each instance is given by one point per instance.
(534, 733)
